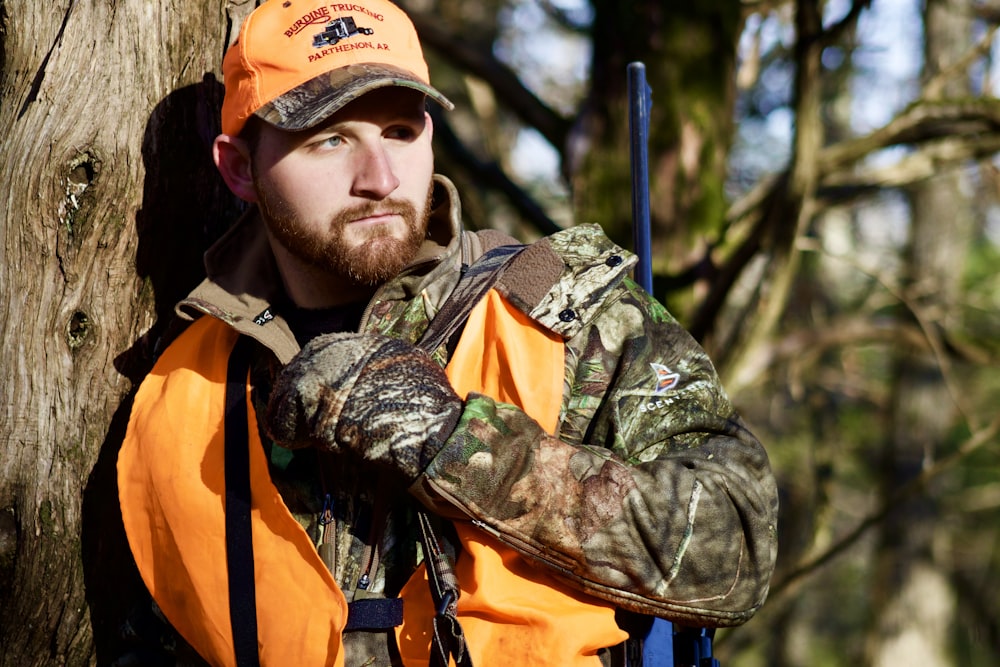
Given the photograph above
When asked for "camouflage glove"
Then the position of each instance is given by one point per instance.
(379, 398)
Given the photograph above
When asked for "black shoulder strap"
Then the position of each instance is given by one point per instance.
(476, 281)
(239, 542)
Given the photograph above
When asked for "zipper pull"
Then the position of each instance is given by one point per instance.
(327, 551)
(326, 516)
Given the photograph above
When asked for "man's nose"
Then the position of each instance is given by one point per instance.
(375, 177)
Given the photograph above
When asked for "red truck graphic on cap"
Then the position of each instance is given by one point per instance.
(338, 29)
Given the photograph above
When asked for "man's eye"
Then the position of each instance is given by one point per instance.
(322, 142)
(403, 133)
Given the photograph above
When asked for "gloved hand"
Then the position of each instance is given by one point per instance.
(380, 398)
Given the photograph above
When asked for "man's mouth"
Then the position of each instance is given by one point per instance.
(379, 217)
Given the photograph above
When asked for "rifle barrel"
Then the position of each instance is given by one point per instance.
(638, 117)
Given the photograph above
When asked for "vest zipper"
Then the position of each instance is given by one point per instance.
(370, 558)
(327, 546)
(370, 555)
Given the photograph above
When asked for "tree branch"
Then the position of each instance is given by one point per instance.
(933, 89)
(491, 175)
(837, 30)
(564, 17)
(907, 491)
(941, 134)
(787, 218)
(921, 122)
(508, 88)
(934, 157)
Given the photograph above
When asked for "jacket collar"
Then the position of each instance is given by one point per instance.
(243, 287)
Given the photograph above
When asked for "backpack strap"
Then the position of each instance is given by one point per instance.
(239, 542)
(477, 279)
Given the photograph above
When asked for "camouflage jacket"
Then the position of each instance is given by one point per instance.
(652, 494)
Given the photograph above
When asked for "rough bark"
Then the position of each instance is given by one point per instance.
(109, 197)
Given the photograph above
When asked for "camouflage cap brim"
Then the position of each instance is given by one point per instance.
(314, 101)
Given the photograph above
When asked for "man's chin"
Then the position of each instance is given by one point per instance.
(377, 260)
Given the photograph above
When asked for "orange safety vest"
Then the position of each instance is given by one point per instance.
(172, 494)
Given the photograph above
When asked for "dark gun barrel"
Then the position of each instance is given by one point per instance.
(639, 103)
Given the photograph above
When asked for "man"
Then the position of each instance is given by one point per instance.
(303, 460)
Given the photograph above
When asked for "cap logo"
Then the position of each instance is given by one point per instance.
(320, 15)
(338, 29)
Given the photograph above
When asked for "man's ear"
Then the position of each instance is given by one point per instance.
(232, 157)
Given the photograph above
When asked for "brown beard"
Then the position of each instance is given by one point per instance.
(378, 258)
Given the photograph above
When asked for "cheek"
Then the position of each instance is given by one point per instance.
(416, 174)
(310, 195)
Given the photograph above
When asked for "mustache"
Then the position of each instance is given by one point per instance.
(368, 209)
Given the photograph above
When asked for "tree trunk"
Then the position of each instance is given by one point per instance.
(689, 50)
(913, 602)
(108, 112)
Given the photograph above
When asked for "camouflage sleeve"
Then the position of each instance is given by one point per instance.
(655, 496)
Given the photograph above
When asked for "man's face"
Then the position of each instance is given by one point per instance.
(352, 196)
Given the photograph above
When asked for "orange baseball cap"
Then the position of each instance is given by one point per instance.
(296, 62)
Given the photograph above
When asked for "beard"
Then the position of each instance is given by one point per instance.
(375, 255)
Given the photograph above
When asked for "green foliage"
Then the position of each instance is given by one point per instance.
(981, 307)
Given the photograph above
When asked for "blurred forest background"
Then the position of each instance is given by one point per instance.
(826, 221)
